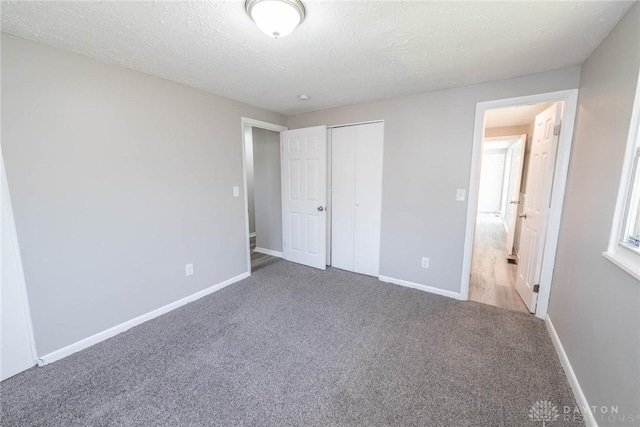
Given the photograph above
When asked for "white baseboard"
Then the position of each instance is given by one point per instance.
(425, 288)
(581, 399)
(252, 234)
(268, 252)
(108, 333)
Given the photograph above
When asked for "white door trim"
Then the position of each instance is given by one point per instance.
(244, 122)
(329, 193)
(570, 99)
(355, 124)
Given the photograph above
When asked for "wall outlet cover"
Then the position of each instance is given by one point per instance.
(189, 269)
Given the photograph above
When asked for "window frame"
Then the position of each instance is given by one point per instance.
(633, 202)
(619, 252)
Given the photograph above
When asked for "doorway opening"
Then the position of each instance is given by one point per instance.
(519, 168)
(263, 192)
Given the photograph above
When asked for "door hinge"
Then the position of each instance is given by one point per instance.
(556, 130)
(536, 288)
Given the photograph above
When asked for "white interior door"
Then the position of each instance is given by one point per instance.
(304, 195)
(513, 191)
(544, 144)
(16, 336)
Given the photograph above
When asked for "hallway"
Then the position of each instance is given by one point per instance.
(260, 260)
(493, 279)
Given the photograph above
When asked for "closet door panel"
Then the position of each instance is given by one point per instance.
(368, 198)
(343, 159)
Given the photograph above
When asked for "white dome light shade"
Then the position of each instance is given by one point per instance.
(276, 18)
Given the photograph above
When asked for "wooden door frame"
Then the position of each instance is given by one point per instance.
(570, 100)
(244, 122)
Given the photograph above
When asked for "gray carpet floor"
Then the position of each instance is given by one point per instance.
(293, 346)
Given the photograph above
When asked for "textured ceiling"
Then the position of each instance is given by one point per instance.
(344, 52)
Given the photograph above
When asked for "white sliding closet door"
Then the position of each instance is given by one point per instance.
(368, 201)
(356, 177)
(343, 196)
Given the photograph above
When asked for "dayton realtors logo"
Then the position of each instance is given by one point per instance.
(543, 411)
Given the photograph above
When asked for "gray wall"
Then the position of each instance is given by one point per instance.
(427, 156)
(118, 179)
(267, 189)
(595, 306)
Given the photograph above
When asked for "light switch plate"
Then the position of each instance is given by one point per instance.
(236, 191)
(189, 270)
(460, 195)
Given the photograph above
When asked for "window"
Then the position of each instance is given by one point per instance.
(624, 245)
(631, 227)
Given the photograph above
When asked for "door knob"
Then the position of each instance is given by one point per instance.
(524, 216)
(320, 208)
(515, 202)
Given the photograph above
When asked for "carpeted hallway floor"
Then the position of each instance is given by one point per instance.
(292, 346)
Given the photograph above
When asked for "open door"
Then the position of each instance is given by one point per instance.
(17, 347)
(513, 191)
(544, 144)
(304, 195)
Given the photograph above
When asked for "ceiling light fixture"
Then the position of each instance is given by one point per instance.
(276, 18)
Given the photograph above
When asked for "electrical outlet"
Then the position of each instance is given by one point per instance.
(236, 191)
(189, 269)
(460, 195)
(425, 262)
